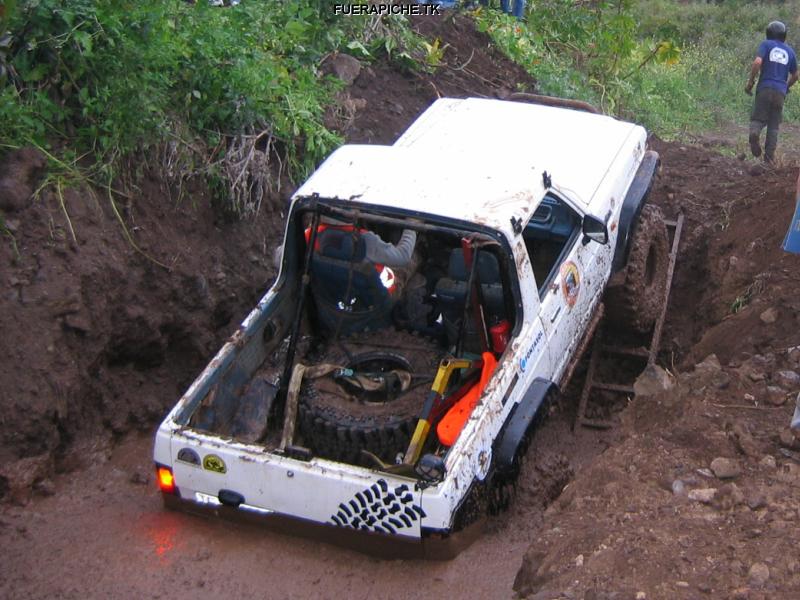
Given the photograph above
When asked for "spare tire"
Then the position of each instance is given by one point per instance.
(338, 423)
(635, 295)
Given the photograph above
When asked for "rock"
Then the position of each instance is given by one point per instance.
(78, 322)
(711, 370)
(345, 67)
(769, 316)
(755, 367)
(678, 488)
(45, 487)
(725, 468)
(704, 495)
(139, 478)
(758, 574)
(793, 354)
(763, 360)
(529, 579)
(579, 561)
(653, 381)
(728, 497)
(22, 474)
(710, 363)
(755, 500)
(641, 596)
(743, 440)
(768, 461)
(788, 440)
(740, 594)
(775, 396)
(788, 380)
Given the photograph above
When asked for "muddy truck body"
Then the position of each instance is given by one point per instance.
(417, 405)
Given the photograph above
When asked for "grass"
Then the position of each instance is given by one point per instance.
(696, 87)
(750, 292)
(234, 95)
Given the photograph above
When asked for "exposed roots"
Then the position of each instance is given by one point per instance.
(241, 166)
(246, 169)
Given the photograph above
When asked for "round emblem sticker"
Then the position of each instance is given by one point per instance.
(212, 462)
(570, 282)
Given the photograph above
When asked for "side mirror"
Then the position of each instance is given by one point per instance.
(594, 229)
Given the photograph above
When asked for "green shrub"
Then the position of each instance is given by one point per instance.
(115, 77)
(677, 67)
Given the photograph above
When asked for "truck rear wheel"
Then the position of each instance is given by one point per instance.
(338, 422)
(635, 294)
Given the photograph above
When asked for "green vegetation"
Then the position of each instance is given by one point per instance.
(677, 67)
(111, 83)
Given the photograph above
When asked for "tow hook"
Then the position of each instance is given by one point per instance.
(230, 498)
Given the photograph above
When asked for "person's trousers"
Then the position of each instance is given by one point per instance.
(767, 112)
(518, 9)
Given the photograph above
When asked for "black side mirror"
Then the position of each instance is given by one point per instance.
(594, 229)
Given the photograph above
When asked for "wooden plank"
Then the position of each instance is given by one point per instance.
(613, 387)
(655, 343)
(626, 351)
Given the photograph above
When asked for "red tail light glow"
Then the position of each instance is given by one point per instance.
(166, 481)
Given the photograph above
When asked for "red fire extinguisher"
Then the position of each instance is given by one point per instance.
(499, 333)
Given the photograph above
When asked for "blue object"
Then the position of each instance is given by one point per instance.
(442, 3)
(778, 60)
(791, 242)
(518, 10)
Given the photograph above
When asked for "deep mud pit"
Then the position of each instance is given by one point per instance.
(105, 534)
(102, 341)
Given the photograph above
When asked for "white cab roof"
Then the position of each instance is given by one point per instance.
(480, 161)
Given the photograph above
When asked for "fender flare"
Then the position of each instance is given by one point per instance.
(632, 206)
(522, 418)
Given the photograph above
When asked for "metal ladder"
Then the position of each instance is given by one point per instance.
(601, 350)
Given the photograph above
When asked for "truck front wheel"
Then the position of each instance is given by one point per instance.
(635, 294)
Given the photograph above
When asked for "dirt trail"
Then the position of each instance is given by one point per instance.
(106, 534)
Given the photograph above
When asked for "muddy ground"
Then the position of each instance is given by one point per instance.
(100, 340)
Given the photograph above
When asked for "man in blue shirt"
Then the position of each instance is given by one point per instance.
(776, 67)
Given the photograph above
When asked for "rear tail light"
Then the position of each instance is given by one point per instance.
(166, 480)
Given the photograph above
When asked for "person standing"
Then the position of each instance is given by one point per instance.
(518, 8)
(776, 68)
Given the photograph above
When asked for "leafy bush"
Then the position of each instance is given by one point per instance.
(115, 77)
(676, 66)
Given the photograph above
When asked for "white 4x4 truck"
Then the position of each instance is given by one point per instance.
(377, 403)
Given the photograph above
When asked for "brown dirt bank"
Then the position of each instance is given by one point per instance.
(102, 341)
(98, 339)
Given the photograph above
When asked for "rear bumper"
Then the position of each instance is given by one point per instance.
(432, 546)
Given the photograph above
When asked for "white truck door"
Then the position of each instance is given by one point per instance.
(562, 265)
(532, 355)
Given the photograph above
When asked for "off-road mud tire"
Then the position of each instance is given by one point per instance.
(336, 428)
(635, 294)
